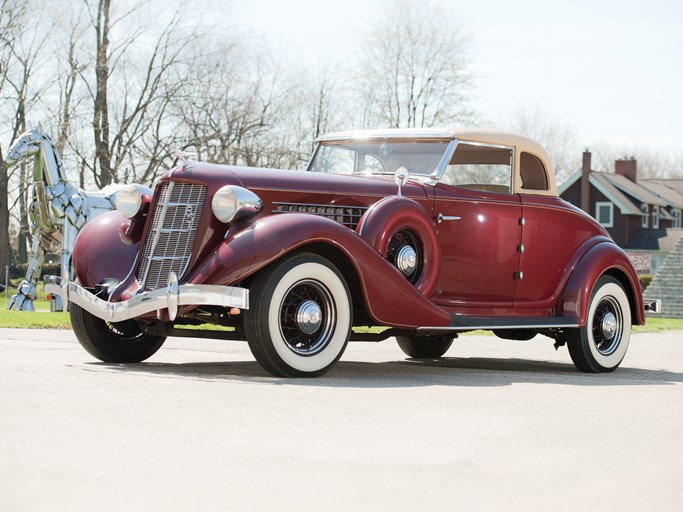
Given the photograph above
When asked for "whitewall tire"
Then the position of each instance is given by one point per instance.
(300, 316)
(601, 344)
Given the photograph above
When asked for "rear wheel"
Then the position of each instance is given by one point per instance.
(299, 317)
(601, 344)
(425, 347)
(117, 342)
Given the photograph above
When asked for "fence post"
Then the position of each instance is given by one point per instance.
(6, 280)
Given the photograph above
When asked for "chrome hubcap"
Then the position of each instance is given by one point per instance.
(405, 253)
(609, 325)
(406, 260)
(309, 316)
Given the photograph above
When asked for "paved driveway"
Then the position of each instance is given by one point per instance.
(496, 425)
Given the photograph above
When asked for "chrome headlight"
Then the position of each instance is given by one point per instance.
(232, 204)
(128, 201)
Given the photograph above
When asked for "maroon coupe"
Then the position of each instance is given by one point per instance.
(425, 232)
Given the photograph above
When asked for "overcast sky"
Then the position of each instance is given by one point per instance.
(611, 69)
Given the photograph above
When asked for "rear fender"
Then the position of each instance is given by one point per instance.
(389, 298)
(605, 258)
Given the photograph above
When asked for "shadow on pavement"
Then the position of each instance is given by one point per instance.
(466, 372)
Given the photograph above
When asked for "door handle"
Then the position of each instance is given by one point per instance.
(441, 217)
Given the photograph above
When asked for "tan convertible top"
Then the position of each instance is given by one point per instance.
(477, 135)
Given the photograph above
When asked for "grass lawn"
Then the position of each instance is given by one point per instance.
(43, 319)
(40, 319)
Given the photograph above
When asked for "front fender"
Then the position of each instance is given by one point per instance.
(105, 248)
(393, 214)
(389, 297)
(603, 258)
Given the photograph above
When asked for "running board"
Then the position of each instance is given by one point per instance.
(461, 323)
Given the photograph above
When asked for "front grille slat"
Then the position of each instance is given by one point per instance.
(169, 242)
(349, 216)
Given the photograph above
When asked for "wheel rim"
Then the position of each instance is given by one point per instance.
(405, 253)
(307, 317)
(127, 330)
(607, 326)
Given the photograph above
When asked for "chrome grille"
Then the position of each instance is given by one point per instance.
(168, 246)
(347, 215)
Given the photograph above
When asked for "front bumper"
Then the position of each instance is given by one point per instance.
(170, 298)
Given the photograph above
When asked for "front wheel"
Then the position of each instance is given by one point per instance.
(425, 347)
(600, 345)
(299, 318)
(119, 342)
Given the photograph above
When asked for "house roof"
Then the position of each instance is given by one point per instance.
(618, 188)
(672, 196)
(600, 181)
(655, 239)
(675, 184)
(634, 189)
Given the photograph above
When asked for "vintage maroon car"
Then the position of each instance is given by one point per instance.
(427, 232)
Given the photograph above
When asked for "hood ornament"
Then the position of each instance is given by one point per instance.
(184, 157)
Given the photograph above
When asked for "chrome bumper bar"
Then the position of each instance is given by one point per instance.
(169, 298)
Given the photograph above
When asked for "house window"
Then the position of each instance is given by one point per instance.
(677, 218)
(604, 213)
(646, 214)
(655, 217)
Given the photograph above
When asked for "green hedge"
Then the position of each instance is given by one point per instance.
(18, 271)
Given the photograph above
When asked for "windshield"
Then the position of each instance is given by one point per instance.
(379, 156)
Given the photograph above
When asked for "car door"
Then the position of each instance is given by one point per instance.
(479, 228)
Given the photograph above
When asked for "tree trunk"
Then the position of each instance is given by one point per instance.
(24, 232)
(101, 113)
(4, 219)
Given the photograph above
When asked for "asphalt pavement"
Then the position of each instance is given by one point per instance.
(495, 425)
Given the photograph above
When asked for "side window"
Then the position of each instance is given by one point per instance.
(532, 172)
(479, 167)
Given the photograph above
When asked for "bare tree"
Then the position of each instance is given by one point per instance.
(415, 67)
(4, 218)
(11, 16)
(68, 71)
(236, 109)
(25, 58)
(5, 27)
(124, 128)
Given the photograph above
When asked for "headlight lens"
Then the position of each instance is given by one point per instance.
(233, 204)
(128, 201)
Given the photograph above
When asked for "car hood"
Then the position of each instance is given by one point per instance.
(347, 185)
(275, 184)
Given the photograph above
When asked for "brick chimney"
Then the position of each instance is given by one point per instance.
(626, 168)
(585, 185)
